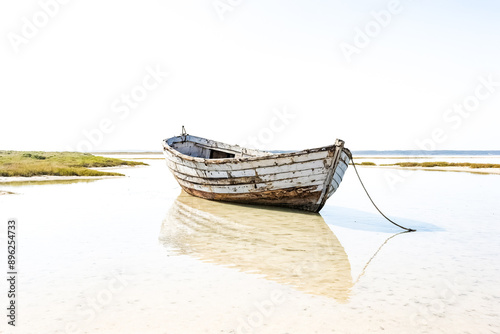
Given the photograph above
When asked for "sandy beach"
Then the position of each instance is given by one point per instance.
(134, 254)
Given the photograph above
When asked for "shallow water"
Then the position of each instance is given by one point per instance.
(379, 160)
(135, 255)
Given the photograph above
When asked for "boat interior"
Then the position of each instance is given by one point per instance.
(208, 149)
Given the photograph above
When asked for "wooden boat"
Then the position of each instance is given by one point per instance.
(296, 249)
(213, 170)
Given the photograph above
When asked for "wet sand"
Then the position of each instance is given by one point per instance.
(135, 255)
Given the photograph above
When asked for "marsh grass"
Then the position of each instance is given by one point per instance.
(16, 163)
(366, 163)
(443, 164)
(3, 192)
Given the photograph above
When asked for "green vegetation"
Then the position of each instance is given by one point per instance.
(366, 163)
(391, 157)
(443, 164)
(16, 163)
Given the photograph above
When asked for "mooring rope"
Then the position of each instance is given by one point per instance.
(373, 256)
(375, 205)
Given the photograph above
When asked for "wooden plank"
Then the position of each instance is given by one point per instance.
(336, 154)
(254, 171)
(343, 165)
(225, 150)
(341, 171)
(239, 165)
(319, 172)
(215, 144)
(254, 188)
(337, 178)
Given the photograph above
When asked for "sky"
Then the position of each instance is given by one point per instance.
(124, 75)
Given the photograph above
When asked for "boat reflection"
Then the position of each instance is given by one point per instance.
(289, 247)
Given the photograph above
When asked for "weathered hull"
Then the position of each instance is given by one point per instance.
(301, 180)
(302, 198)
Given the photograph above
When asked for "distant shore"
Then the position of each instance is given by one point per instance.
(442, 166)
(128, 153)
(495, 171)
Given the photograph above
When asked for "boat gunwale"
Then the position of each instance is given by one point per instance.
(167, 147)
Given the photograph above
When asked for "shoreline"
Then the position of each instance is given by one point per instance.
(491, 171)
(41, 178)
(3, 192)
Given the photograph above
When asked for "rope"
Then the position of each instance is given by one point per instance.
(378, 250)
(366, 191)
